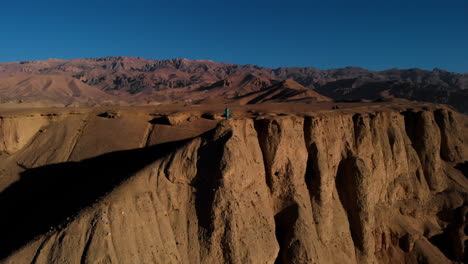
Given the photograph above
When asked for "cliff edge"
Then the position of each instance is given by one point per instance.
(326, 187)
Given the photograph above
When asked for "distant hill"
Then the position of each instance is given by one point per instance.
(285, 91)
(50, 89)
(133, 80)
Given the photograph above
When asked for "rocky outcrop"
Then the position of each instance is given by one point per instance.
(451, 140)
(362, 187)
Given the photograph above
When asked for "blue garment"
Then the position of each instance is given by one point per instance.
(227, 113)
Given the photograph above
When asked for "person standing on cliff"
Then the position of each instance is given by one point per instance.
(227, 113)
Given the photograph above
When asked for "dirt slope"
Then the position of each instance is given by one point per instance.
(355, 185)
(285, 91)
(50, 89)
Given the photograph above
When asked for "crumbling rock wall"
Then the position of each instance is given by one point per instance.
(326, 188)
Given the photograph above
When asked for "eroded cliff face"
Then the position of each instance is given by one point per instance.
(368, 187)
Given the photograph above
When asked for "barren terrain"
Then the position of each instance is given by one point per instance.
(139, 81)
(280, 182)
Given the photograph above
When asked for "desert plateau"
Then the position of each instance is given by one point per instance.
(233, 132)
(291, 182)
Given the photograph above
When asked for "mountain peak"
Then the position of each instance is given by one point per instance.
(292, 84)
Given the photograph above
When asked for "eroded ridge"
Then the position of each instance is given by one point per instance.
(373, 187)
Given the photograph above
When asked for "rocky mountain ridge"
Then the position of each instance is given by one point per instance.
(139, 79)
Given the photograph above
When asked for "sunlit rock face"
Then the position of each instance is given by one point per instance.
(328, 187)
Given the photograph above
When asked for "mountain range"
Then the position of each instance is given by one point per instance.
(133, 80)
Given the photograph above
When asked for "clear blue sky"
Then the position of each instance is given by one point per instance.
(373, 34)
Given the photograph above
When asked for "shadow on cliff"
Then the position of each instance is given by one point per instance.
(348, 178)
(463, 167)
(208, 179)
(46, 196)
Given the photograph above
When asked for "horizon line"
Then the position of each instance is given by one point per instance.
(230, 63)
